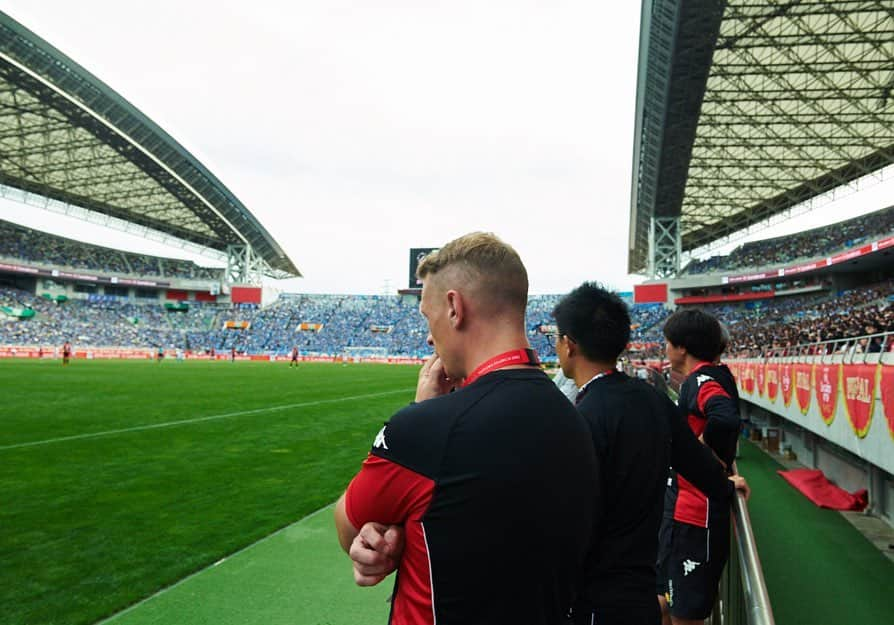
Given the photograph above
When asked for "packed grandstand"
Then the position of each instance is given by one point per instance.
(325, 325)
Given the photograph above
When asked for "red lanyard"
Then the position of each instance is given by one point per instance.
(506, 359)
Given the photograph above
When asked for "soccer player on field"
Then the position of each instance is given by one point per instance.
(66, 352)
(294, 357)
(695, 534)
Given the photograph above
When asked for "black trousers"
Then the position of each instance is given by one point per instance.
(648, 613)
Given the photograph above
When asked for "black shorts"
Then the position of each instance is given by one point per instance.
(693, 567)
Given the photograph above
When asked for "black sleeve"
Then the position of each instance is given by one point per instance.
(694, 461)
(723, 417)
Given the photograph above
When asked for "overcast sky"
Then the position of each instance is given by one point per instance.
(357, 130)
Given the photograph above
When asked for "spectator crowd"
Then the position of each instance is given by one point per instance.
(316, 324)
(810, 244)
(24, 244)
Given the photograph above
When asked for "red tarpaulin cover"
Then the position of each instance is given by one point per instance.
(814, 485)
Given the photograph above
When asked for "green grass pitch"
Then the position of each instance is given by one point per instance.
(119, 478)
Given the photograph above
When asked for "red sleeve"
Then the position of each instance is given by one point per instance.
(708, 391)
(386, 492)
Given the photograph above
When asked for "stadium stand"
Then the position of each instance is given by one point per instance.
(815, 243)
(320, 325)
(19, 243)
(800, 320)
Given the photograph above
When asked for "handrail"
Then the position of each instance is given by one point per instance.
(757, 601)
(743, 598)
(829, 347)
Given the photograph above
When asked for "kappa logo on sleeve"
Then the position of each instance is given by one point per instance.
(689, 567)
(701, 379)
(380, 439)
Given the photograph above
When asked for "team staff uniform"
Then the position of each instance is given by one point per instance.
(695, 544)
(494, 485)
(637, 433)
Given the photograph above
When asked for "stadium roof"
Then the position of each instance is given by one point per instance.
(67, 136)
(747, 108)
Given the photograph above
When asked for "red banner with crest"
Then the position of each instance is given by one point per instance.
(825, 383)
(748, 377)
(886, 381)
(772, 376)
(786, 382)
(859, 381)
(803, 385)
(760, 371)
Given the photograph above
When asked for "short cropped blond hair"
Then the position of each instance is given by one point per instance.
(486, 265)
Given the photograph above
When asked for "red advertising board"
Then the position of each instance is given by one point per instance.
(650, 294)
(859, 383)
(825, 383)
(760, 372)
(245, 294)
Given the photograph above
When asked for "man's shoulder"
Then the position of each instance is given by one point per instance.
(718, 374)
(415, 435)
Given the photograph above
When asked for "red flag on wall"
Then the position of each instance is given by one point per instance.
(772, 376)
(825, 383)
(802, 385)
(760, 370)
(748, 377)
(859, 383)
(786, 382)
(887, 391)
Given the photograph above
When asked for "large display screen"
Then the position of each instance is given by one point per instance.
(416, 255)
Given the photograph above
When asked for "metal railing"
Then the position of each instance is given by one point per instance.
(743, 598)
(846, 347)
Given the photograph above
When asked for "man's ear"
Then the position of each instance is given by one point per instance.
(456, 308)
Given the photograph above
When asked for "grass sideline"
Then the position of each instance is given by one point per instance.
(122, 477)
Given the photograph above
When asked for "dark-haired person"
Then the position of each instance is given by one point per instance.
(483, 498)
(637, 433)
(695, 535)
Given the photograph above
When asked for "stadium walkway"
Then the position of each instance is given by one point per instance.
(819, 569)
(297, 576)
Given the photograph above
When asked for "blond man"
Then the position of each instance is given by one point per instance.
(481, 493)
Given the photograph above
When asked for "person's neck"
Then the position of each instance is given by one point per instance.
(481, 350)
(590, 369)
(690, 363)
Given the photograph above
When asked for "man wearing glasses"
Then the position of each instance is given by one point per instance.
(637, 434)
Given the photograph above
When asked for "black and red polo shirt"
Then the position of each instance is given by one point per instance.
(496, 486)
(710, 400)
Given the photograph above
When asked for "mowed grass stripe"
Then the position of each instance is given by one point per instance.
(168, 424)
(90, 526)
(298, 575)
(167, 391)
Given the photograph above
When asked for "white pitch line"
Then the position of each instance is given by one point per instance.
(167, 424)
